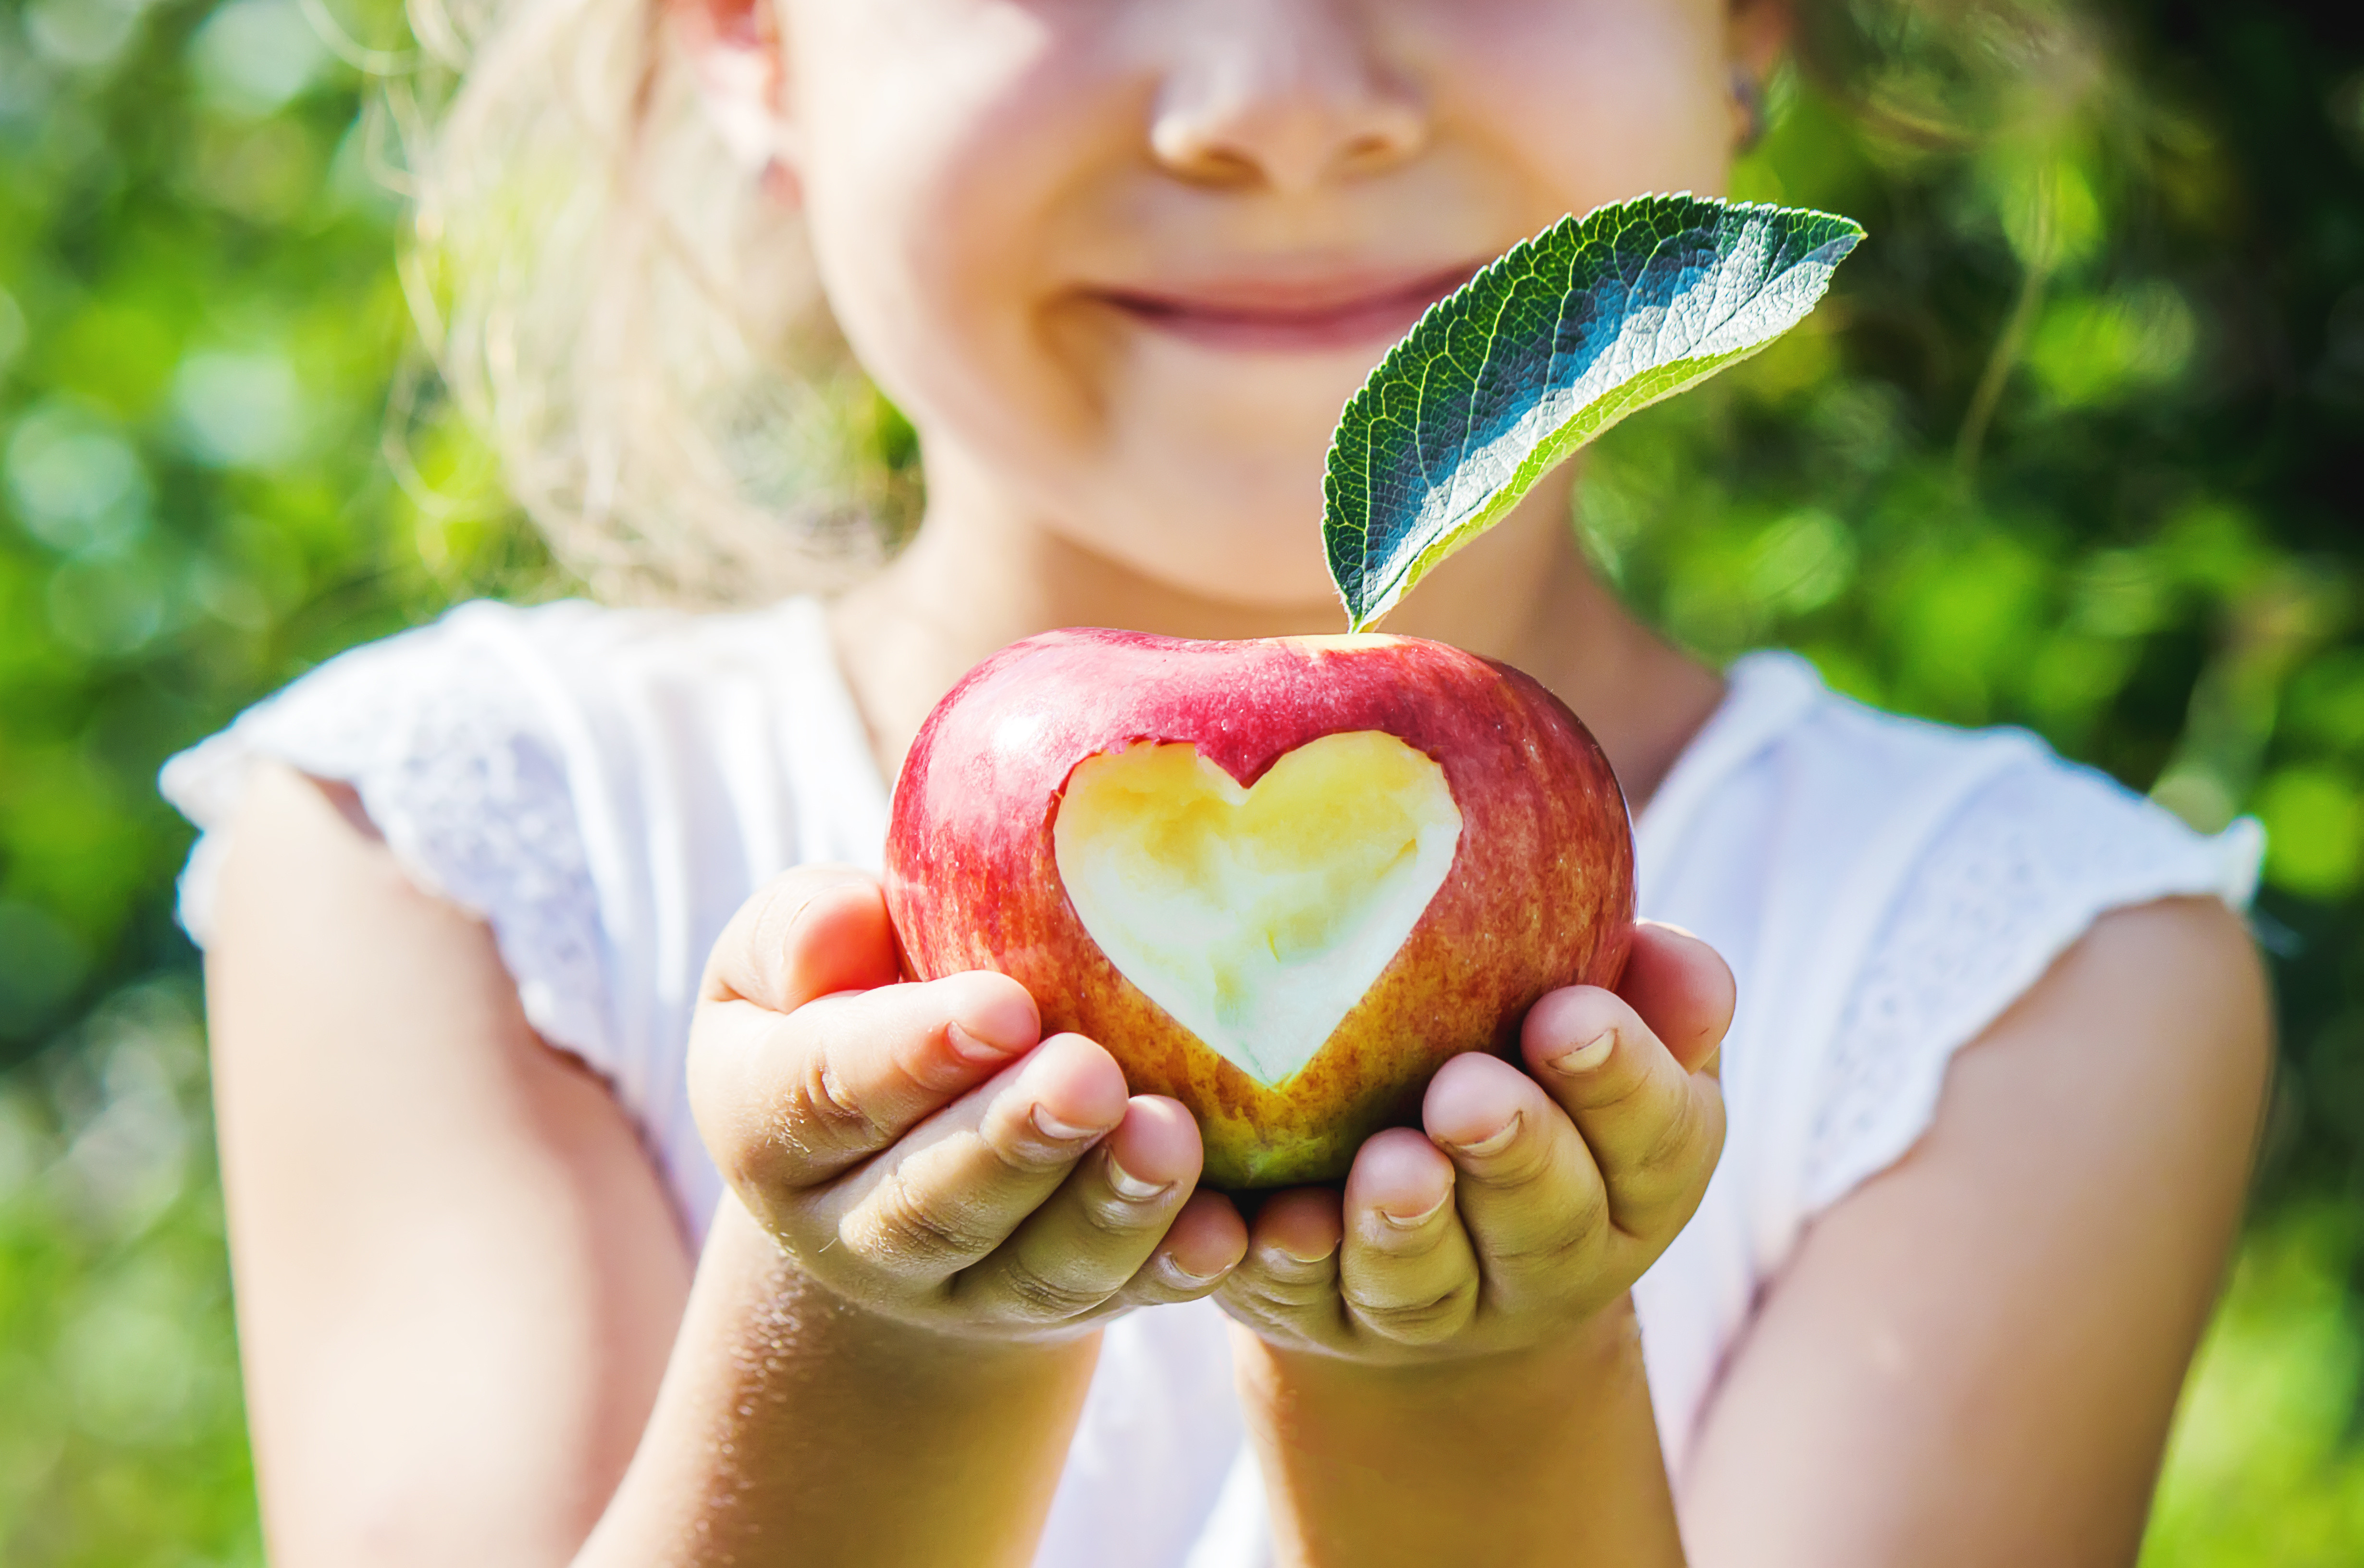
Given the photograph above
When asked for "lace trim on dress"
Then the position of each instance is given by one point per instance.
(450, 762)
(2028, 864)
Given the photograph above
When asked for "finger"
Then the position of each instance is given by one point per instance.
(1654, 1129)
(1287, 1282)
(1089, 1239)
(1682, 989)
(957, 1186)
(1530, 1196)
(788, 1101)
(809, 932)
(1406, 1269)
(1206, 1242)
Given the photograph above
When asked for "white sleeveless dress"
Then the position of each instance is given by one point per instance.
(606, 787)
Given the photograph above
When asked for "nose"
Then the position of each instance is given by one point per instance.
(1286, 94)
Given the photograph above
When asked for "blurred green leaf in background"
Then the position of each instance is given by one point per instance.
(2070, 445)
(199, 324)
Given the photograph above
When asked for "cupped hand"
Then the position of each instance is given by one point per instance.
(920, 1150)
(1526, 1202)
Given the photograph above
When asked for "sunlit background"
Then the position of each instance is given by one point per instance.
(2074, 445)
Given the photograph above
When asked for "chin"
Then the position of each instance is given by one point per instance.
(1223, 554)
(1217, 524)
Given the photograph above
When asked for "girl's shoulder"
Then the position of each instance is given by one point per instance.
(1802, 798)
(536, 730)
(603, 786)
(1884, 888)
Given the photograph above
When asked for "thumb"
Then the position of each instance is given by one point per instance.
(809, 932)
(1682, 988)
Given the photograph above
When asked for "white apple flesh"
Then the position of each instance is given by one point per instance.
(1281, 881)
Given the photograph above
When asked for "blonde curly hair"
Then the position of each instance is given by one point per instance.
(625, 314)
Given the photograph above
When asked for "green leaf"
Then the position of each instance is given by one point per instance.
(1564, 335)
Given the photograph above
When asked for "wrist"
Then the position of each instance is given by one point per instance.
(1600, 1353)
(792, 1414)
(1551, 1447)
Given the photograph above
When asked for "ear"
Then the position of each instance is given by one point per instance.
(734, 48)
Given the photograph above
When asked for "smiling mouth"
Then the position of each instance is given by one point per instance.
(1287, 317)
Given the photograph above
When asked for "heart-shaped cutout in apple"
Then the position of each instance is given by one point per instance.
(1281, 881)
(1256, 917)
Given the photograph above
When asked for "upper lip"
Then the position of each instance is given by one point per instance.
(1282, 299)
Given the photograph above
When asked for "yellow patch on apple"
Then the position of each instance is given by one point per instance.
(1256, 917)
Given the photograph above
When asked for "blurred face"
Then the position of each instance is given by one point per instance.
(1123, 261)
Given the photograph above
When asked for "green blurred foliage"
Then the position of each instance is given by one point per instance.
(199, 324)
(122, 1441)
(2062, 450)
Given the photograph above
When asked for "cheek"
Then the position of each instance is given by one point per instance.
(937, 140)
(1599, 100)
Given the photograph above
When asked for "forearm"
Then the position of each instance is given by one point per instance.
(795, 1428)
(1548, 1456)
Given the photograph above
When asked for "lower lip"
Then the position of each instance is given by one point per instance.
(1371, 323)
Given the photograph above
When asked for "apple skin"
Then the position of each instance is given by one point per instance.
(1539, 895)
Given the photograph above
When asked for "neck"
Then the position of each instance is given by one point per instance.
(974, 580)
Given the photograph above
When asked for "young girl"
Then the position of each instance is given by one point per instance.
(601, 1194)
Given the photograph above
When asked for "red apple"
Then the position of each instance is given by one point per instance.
(1280, 880)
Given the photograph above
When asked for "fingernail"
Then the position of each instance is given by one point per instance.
(1414, 1221)
(1132, 1188)
(1296, 1257)
(969, 1048)
(1188, 1280)
(1051, 1127)
(1493, 1142)
(1588, 1055)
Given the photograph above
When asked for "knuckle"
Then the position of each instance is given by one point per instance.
(1671, 1150)
(1565, 1246)
(899, 1226)
(1617, 1088)
(1530, 1160)
(1109, 1215)
(824, 1119)
(1024, 1151)
(1040, 1296)
(1420, 1321)
(1283, 1291)
(1269, 1313)
(1289, 1296)
(1562, 1249)
(1299, 1275)
(1260, 1315)
(1168, 1282)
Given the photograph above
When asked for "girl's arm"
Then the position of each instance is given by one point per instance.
(458, 1277)
(460, 1281)
(1973, 1357)
(1971, 1361)
(892, 1330)
(797, 1429)
(1549, 1456)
